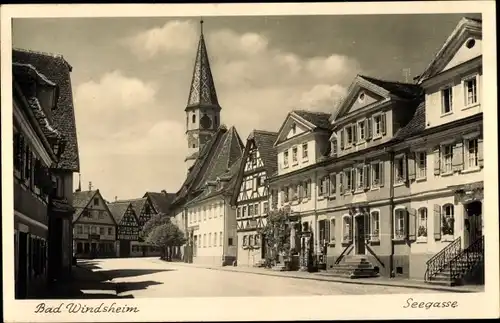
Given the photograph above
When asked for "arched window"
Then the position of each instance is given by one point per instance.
(375, 225)
(244, 241)
(422, 224)
(194, 118)
(346, 228)
(250, 240)
(399, 223)
(448, 220)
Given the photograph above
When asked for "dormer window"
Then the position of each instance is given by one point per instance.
(349, 135)
(285, 158)
(294, 155)
(361, 97)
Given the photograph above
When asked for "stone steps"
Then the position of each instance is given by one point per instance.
(353, 267)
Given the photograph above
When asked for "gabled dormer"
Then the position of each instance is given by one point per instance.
(452, 81)
(302, 140)
(371, 113)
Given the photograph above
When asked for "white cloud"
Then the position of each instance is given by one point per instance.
(322, 97)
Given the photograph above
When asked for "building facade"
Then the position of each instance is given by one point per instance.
(94, 226)
(251, 196)
(127, 230)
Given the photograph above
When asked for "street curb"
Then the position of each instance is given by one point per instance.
(435, 288)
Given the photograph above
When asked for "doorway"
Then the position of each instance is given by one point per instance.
(263, 248)
(473, 222)
(359, 234)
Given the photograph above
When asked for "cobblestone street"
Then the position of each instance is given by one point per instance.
(151, 277)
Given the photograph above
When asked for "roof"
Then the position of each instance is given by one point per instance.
(80, 201)
(414, 126)
(161, 201)
(318, 119)
(216, 157)
(202, 91)
(264, 141)
(137, 204)
(118, 210)
(57, 70)
(400, 89)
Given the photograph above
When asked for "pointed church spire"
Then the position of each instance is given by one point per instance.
(202, 91)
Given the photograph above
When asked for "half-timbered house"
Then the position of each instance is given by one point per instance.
(127, 230)
(94, 227)
(251, 195)
(302, 143)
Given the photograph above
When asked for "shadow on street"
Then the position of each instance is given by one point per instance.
(130, 286)
(120, 273)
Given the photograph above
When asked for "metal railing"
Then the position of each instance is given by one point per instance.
(465, 261)
(440, 260)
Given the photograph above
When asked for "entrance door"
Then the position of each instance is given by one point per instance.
(359, 233)
(473, 223)
(263, 247)
(22, 274)
(93, 250)
(124, 248)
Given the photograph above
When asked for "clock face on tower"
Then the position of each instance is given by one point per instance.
(205, 122)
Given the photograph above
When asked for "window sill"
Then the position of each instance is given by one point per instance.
(346, 242)
(446, 114)
(471, 106)
(421, 179)
(447, 174)
(305, 160)
(421, 240)
(375, 188)
(398, 239)
(471, 170)
(376, 137)
(331, 244)
(320, 198)
(285, 166)
(295, 163)
(361, 141)
(305, 200)
(374, 241)
(447, 238)
(399, 184)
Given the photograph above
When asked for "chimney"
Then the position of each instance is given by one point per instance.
(164, 192)
(90, 186)
(116, 198)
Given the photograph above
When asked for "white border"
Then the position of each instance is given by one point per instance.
(265, 308)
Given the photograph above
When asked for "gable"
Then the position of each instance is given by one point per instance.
(253, 160)
(470, 49)
(96, 211)
(129, 218)
(362, 99)
(292, 127)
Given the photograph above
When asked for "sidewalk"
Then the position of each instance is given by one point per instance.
(324, 276)
(84, 284)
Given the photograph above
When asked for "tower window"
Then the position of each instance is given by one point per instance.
(194, 118)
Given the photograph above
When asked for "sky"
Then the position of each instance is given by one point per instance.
(131, 78)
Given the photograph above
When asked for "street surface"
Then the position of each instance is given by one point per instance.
(151, 277)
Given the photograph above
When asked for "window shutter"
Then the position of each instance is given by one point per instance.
(342, 138)
(354, 130)
(437, 161)
(480, 159)
(437, 222)
(369, 127)
(412, 224)
(342, 182)
(327, 184)
(327, 230)
(353, 179)
(405, 168)
(382, 174)
(333, 184)
(300, 191)
(366, 175)
(458, 157)
(309, 187)
(411, 166)
(383, 124)
(350, 228)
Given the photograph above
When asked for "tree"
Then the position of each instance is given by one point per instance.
(155, 221)
(277, 235)
(166, 236)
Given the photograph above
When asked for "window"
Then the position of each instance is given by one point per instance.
(257, 240)
(79, 229)
(360, 178)
(448, 220)
(96, 201)
(470, 91)
(421, 165)
(333, 184)
(220, 238)
(101, 231)
(334, 147)
(422, 223)
(93, 229)
(250, 210)
(349, 135)
(210, 239)
(244, 213)
(447, 100)
(324, 231)
(230, 241)
(101, 215)
(238, 212)
(399, 170)
(294, 155)
(204, 240)
(85, 229)
(110, 231)
(375, 175)
(215, 239)
(471, 153)
(305, 155)
(294, 128)
(256, 209)
(375, 226)
(362, 130)
(194, 118)
(399, 224)
(332, 230)
(447, 158)
(250, 240)
(204, 213)
(306, 188)
(265, 208)
(346, 228)
(377, 126)
(285, 158)
(323, 187)
(349, 179)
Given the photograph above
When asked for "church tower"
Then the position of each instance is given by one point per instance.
(203, 109)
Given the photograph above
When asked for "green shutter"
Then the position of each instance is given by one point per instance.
(411, 166)
(412, 224)
(342, 138)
